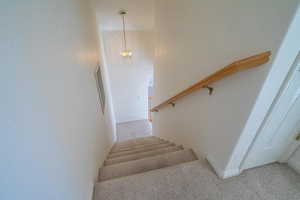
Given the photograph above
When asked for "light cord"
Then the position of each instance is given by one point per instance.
(124, 33)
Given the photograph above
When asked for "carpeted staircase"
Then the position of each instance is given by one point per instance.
(136, 157)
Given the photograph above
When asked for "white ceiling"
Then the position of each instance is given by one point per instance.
(140, 14)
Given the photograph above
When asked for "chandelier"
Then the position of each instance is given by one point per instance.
(125, 52)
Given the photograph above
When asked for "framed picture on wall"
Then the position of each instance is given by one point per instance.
(99, 82)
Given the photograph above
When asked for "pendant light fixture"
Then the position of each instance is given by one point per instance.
(125, 52)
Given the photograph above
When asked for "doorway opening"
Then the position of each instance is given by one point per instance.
(131, 80)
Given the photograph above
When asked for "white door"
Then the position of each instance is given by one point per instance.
(278, 131)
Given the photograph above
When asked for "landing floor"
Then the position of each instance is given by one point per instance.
(196, 181)
(133, 129)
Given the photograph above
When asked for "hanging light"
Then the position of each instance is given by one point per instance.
(125, 52)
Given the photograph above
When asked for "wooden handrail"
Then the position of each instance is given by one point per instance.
(253, 61)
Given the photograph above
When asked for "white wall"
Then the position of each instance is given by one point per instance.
(53, 134)
(129, 78)
(195, 38)
(140, 14)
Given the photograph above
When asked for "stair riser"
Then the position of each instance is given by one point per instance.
(147, 164)
(134, 147)
(115, 155)
(142, 155)
(136, 141)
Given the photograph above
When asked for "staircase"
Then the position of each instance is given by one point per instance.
(134, 159)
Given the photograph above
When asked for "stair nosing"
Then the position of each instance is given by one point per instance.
(136, 140)
(150, 169)
(138, 146)
(133, 152)
(139, 138)
(179, 149)
(138, 174)
(147, 150)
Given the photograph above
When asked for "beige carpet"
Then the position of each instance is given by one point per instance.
(141, 155)
(196, 181)
(150, 168)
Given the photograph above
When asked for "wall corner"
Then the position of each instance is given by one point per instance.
(222, 173)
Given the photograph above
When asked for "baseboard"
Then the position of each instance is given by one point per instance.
(131, 120)
(94, 191)
(214, 165)
(223, 174)
(228, 173)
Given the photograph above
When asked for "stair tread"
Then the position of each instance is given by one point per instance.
(156, 184)
(156, 146)
(146, 164)
(142, 155)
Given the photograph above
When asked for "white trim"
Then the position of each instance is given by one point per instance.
(228, 173)
(214, 165)
(221, 173)
(280, 68)
(131, 120)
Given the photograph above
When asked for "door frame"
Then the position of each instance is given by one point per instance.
(282, 101)
(281, 66)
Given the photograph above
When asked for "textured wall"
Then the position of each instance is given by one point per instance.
(53, 134)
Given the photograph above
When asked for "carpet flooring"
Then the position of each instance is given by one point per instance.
(196, 181)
